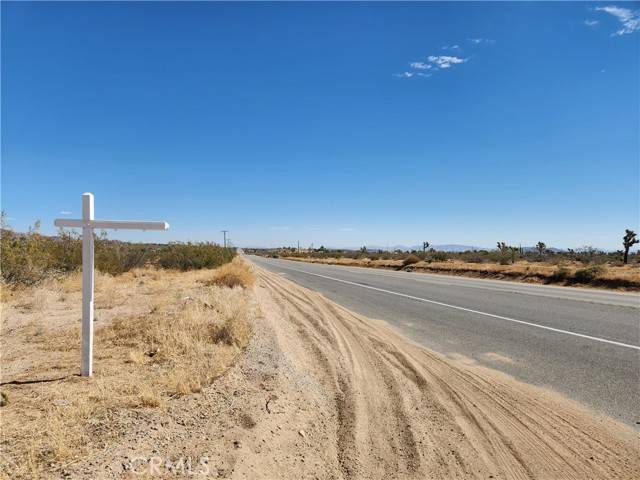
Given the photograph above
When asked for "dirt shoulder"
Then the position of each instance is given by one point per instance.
(323, 393)
(625, 277)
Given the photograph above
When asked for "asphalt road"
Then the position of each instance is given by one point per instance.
(583, 343)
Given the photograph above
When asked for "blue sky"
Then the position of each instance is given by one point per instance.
(337, 124)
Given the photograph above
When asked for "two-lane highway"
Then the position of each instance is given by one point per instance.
(583, 343)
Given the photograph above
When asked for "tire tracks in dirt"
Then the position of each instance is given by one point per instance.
(402, 411)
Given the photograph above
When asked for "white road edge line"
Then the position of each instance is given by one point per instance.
(544, 327)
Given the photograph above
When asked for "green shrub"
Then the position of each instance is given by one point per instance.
(29, 258)
(439, 256)
(189, 256)
(588, 274)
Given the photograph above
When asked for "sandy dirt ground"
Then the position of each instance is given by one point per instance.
(323, 393)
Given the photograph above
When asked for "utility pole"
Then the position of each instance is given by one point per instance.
(298, 246)
(224, 234)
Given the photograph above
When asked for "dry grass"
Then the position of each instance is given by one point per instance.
(234, 274)
(108, 290)
(569, 273)
(164, 334)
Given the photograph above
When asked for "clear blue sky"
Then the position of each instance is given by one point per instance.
(337, 124)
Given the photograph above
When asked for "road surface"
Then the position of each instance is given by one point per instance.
(583, 343)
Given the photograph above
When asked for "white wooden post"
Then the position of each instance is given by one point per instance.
(86, 365)
(88, 225)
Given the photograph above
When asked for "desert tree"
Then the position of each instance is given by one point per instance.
(507, 252)
(541, 247)
(425, 245)
(514, 253)
(628, 241)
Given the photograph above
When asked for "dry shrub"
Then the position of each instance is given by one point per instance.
(234, 274)
(137, 357)
(234, 332)
(589, 274)
(72, 282)
(148, 397)
(410, 260)
(181, 382)
(45, 294)
(39, 301)
(108, 293)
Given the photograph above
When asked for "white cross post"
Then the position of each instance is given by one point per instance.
(88, 224)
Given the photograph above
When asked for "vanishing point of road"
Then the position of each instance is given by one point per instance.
(583, 343)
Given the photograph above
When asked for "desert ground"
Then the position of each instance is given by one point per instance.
(200, 375)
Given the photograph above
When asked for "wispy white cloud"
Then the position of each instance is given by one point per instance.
(591, 23)
(478, 41)
(451, 47)
(445, 61)
(404, 75)
(629, 19)
(420, 65)
(65, 212)
(433, 64)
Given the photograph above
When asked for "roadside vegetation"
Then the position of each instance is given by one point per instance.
(169, 320)
(29, 258)
(586, 266)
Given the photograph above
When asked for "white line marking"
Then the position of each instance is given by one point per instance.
(544, 327)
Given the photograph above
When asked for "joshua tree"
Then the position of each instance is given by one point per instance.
(514, 253)
(541, 247)
(507, 251)
(628, 241)
(425, 245)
